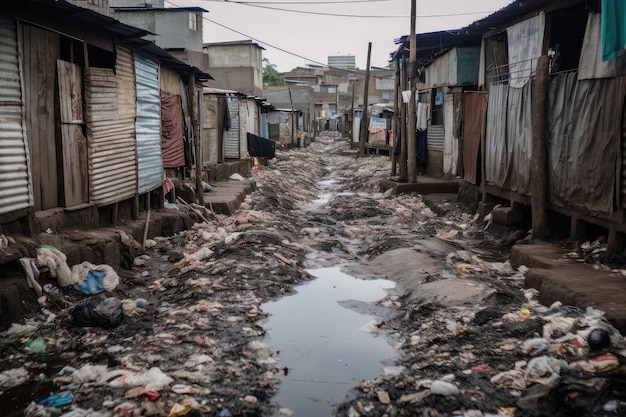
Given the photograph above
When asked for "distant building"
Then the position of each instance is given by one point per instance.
(178, 29)
(236, 65)
(342, 61)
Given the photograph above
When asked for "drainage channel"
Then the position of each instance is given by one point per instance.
(325, 348)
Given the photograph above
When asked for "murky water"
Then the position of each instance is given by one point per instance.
(320, 342)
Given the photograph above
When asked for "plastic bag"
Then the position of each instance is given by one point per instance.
(98, 311)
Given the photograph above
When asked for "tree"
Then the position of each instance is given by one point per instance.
(271, 77)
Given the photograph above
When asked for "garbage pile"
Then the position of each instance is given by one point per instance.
(508, 356)
(181, 333)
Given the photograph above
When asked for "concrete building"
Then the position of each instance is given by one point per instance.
(380, 89)
(300, 98)
(342, 61)
(176, 30)
(236, 66)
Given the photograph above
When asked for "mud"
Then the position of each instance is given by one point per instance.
(193, 343)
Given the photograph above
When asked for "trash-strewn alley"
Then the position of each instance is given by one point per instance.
(183, 332)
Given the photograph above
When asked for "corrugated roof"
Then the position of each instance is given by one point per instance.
(160, 9)
(42, 11)
(51, 9)
(430, 45)
(168, 59)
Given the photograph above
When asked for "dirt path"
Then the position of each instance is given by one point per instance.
(192, 341)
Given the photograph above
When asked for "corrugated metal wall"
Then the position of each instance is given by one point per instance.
(111, 148)
(264, 132)
(243, 128)
(15, 186)
(434, 138)
(148, 124)
(231, 136)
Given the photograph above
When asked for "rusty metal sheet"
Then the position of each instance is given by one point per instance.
(473, 132)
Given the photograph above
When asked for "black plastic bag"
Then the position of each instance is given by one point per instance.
(98, 312)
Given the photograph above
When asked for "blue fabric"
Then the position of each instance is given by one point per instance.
(613, 28)
(92, 283)
(58, 400)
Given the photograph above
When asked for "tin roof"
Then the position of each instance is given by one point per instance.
(65, 17)
(430, 45)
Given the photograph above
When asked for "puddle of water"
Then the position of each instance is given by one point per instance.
(326, 183)
(323, 199)
(320, 342)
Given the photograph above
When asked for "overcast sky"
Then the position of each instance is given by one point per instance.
(293, 39)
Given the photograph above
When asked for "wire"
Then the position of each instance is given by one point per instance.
(258, 4)
(355, 71)
(308, 2)
(276, 47)
(273, 46)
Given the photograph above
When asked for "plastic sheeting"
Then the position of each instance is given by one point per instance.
(508, 146)
(584, 141)
(261, 147)
(525, 41)
(591, 64)
(172, 141)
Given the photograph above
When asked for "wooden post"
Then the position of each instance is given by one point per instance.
(193, 111)
(539, 158)
(411, 148)
(403, 130)
(394, 122)
(293, 119)
(352, 118)
(365, 118)
(134, 208)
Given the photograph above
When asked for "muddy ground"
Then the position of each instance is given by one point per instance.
(471, 340)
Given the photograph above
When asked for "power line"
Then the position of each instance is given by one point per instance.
(293, 53)
(309, 2)
(268, 44)
(260, 6)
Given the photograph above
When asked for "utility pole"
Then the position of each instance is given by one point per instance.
(411, 130)
(365, 118)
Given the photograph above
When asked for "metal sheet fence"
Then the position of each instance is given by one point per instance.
(15, 186)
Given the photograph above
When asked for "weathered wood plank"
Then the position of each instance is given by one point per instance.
(74, 142)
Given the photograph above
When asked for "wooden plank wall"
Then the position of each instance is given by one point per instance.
(40, 54)
(74, 142)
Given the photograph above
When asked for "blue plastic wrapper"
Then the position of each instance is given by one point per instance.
(58, 400)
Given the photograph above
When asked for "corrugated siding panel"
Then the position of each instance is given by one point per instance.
(434, 137)
(125, 72)
(243, 129)
(148, 124)
(264, 132)
(231, 136)
(15, 188)
(111, 146)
